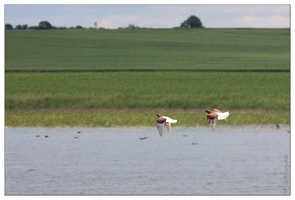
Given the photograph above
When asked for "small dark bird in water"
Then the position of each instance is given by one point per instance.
(76, 137)
(193, 143)
(46, 136)
(278, 126)
(184, 135)
(37, 135)
(143, 138)
(79, 131)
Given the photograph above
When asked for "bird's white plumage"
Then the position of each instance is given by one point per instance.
(221, 116)
(168, 119)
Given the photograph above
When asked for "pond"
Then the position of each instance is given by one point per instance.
(137, 161)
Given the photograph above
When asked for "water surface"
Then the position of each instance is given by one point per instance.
(115, 161)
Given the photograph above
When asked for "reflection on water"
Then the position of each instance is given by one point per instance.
(118, 161)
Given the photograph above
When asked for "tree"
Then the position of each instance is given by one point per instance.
(44, 25)
(192, 22)
(25, 27)
(21, 27)
(18, 27)
(8, 27)
(132, 26)
(33, 27)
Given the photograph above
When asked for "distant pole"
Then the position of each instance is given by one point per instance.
(95, 24)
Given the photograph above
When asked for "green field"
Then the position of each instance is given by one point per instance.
(125, 77)
(148, 49)
(148, 90)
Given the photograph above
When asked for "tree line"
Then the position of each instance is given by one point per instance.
(191, 22)
(43, 25)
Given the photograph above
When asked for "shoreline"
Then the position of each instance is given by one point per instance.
(137, 117)
(223, 127)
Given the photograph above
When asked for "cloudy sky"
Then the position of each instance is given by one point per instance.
(150, 15)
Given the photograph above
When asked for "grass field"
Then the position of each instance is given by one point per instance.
(122, 98)
(146, 90)
(148, 49)
(141, 72)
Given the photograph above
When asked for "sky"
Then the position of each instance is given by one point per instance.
(114, 16)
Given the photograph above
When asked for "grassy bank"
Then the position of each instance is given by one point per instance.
(137, 117)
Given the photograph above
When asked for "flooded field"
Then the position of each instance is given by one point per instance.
(137, 161)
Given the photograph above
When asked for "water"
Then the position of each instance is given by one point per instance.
(114, 161)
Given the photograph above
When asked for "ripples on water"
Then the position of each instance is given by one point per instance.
(115, 161)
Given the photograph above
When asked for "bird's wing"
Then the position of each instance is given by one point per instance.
(168, 119)
(216, 110)
(168, 126)
(213, 123)
(222, 115)
(160, 128)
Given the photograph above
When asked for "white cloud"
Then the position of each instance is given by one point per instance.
(116, 21)
(143, 21)
(267, 9)
(256, 9)
(275, 21)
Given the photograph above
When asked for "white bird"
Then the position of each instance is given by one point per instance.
(164, 120)
(212, 115)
